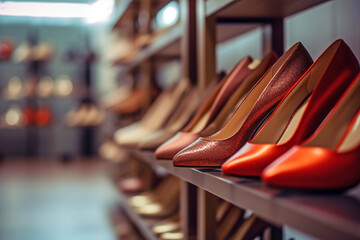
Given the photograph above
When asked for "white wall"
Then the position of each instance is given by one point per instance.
(316, 28)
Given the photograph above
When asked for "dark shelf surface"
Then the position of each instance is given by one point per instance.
(257, 8)
(322, 215)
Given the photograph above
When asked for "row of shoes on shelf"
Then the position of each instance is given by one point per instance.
(86, 114)
(15, 117)
(45, 87)
(289, 120)
(161, 204)
(25, 52)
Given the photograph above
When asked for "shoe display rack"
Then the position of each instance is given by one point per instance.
(203, 24)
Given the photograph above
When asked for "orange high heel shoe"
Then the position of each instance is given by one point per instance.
(213, 151)
(329, 159)
(298, 115)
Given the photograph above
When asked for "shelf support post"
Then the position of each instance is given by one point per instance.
(277, 36)
(206, 46)
(207, 204)
(188, 210)
(188, 40)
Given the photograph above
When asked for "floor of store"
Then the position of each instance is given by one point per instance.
(50, 200)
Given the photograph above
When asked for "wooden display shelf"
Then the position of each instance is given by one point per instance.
(167, 44)
(142, 225)
(257, 8)
(129, 8)
(227, 31)
(120, 11)
(326, 216)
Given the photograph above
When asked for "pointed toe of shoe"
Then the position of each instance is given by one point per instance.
(188, 157)
(175, 144)
(202, 153)
(312, 168)
(286, 171)
(252, 159)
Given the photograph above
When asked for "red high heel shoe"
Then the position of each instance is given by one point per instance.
(329, 159)
(298, 116)
(29, 114)
(207, 112)
(262, 99)
(43, 116)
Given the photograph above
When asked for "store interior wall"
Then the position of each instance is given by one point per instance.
(316, 28)
(56, 139)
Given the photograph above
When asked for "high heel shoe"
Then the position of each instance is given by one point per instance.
(185, 109)
(164, 206)
(43, 116)
(207, 112)
(152, 196)
(329, 159)
(238, 96)
(298, 115)
(155, 117)
(262, 99)
(168, 225)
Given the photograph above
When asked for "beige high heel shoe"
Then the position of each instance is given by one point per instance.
(155, 117)
(152, 196)
(168, 225)
(164, 205)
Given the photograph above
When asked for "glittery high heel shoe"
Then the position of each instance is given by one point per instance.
(213, 151)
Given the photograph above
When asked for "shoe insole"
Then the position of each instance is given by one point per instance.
(294, 123)
(352, 139)
(338, 121)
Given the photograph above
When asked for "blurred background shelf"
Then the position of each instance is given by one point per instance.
(142, 225)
